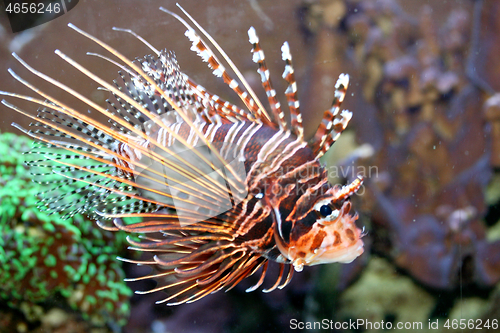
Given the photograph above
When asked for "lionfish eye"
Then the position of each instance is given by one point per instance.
(325, 210)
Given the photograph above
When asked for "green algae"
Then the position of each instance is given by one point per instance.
(43, 257)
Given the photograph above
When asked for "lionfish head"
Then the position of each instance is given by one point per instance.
(323, 232)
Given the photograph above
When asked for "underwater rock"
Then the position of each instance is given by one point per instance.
(432, 150)
(381, 294)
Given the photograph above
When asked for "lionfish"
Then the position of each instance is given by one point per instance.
(221, 190)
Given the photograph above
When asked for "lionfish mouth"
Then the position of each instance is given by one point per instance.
(335, 240)
(344, 256)
(331, 254)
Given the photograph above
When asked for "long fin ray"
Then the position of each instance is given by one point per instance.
(230, 62)
(204, 51)
(291, 93)
(138, 106)
(81, 139)
(334, 121)
(265, 77)
(71, 112)
(179, 111)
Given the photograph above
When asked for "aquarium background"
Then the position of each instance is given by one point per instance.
(425, 131)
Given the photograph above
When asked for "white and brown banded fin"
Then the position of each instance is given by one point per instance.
(221, 107)
(260, 59)
(339, 125)
(202, 103)
(208, 56)
(333, 123)
(291, 93)
(262, 113)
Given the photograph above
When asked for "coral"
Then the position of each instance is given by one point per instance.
(427, 126)
(492, 115)
(44, 257)
(424, 118)
(381, 294)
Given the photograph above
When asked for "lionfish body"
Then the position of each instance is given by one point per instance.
(222, 190)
